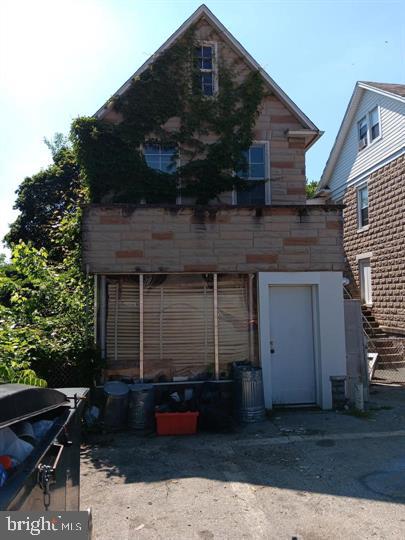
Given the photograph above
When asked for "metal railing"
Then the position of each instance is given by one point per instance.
(387, 370)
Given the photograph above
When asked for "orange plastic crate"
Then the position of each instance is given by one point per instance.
(176, 423)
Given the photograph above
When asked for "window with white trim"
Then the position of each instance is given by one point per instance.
(362, 206)
(255, 170)
(368, 128)
(362, 132)
(205, 63)
(161, 158)
(374, 124)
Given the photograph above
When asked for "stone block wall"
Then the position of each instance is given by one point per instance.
(137, 239)
(384, 238)
(286, 154)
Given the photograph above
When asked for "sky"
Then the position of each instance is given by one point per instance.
(61, 59)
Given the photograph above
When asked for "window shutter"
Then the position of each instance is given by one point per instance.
(179, 328)
(122, 333)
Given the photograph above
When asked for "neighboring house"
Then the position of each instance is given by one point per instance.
(184, 291)
(366, 172)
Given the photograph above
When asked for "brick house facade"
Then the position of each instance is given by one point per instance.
(366, 172)
(182, 291)
(125, 238)
(384, 240)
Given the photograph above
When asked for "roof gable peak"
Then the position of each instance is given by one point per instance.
(204, 11)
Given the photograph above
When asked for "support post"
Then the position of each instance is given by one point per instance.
(95, 309)
(251, 335)
(103, 314)
(216, 343)
(141, 327)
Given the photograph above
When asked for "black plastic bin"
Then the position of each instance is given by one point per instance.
(49, 477)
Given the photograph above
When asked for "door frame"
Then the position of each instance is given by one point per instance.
(315, 337)
(328, 325)
(360, 260)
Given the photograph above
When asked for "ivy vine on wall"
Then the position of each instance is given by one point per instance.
(110, 154)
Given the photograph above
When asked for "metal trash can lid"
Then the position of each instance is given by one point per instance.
(20, 402)
(116, 388)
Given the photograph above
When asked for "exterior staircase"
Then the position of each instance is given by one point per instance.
(390, 352)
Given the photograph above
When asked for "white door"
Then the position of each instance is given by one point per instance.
(365, 281)
(292, 369)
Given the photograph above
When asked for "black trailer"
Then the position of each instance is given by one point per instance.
(49, 477)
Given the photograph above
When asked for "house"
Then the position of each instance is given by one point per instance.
(366, 172)
(183, 290)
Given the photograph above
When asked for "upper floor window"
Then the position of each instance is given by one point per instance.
(362, 206)
(368, 128)
(205, 62)
(161, 158)
(374, 124)
(362, 129)
(255, 170)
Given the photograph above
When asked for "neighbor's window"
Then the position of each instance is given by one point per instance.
(255, 170)
(362, 202)
(204, 55)
(160, 158)
(374, 124)
(362, 131)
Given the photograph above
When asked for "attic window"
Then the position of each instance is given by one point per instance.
(362, 130)
(374, 124)
(205, 63)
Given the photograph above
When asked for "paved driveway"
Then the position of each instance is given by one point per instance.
(311, 475)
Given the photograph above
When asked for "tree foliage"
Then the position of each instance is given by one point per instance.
(43, 200)
(45, 321)
(311, 188)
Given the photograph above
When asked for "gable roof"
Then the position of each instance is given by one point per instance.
(203, 11)
(394, 91)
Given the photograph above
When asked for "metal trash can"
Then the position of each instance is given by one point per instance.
(116, 405)
(141, 406)
(249, 397)
(48, 476)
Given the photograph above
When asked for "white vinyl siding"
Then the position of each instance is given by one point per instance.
(353, 164)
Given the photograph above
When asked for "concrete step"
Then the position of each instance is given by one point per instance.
(375, 333)
(371, 324)
(383, 342)
(387, 350)
(389, 366)
(390, 358)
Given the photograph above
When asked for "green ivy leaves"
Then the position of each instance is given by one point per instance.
(110, 154)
